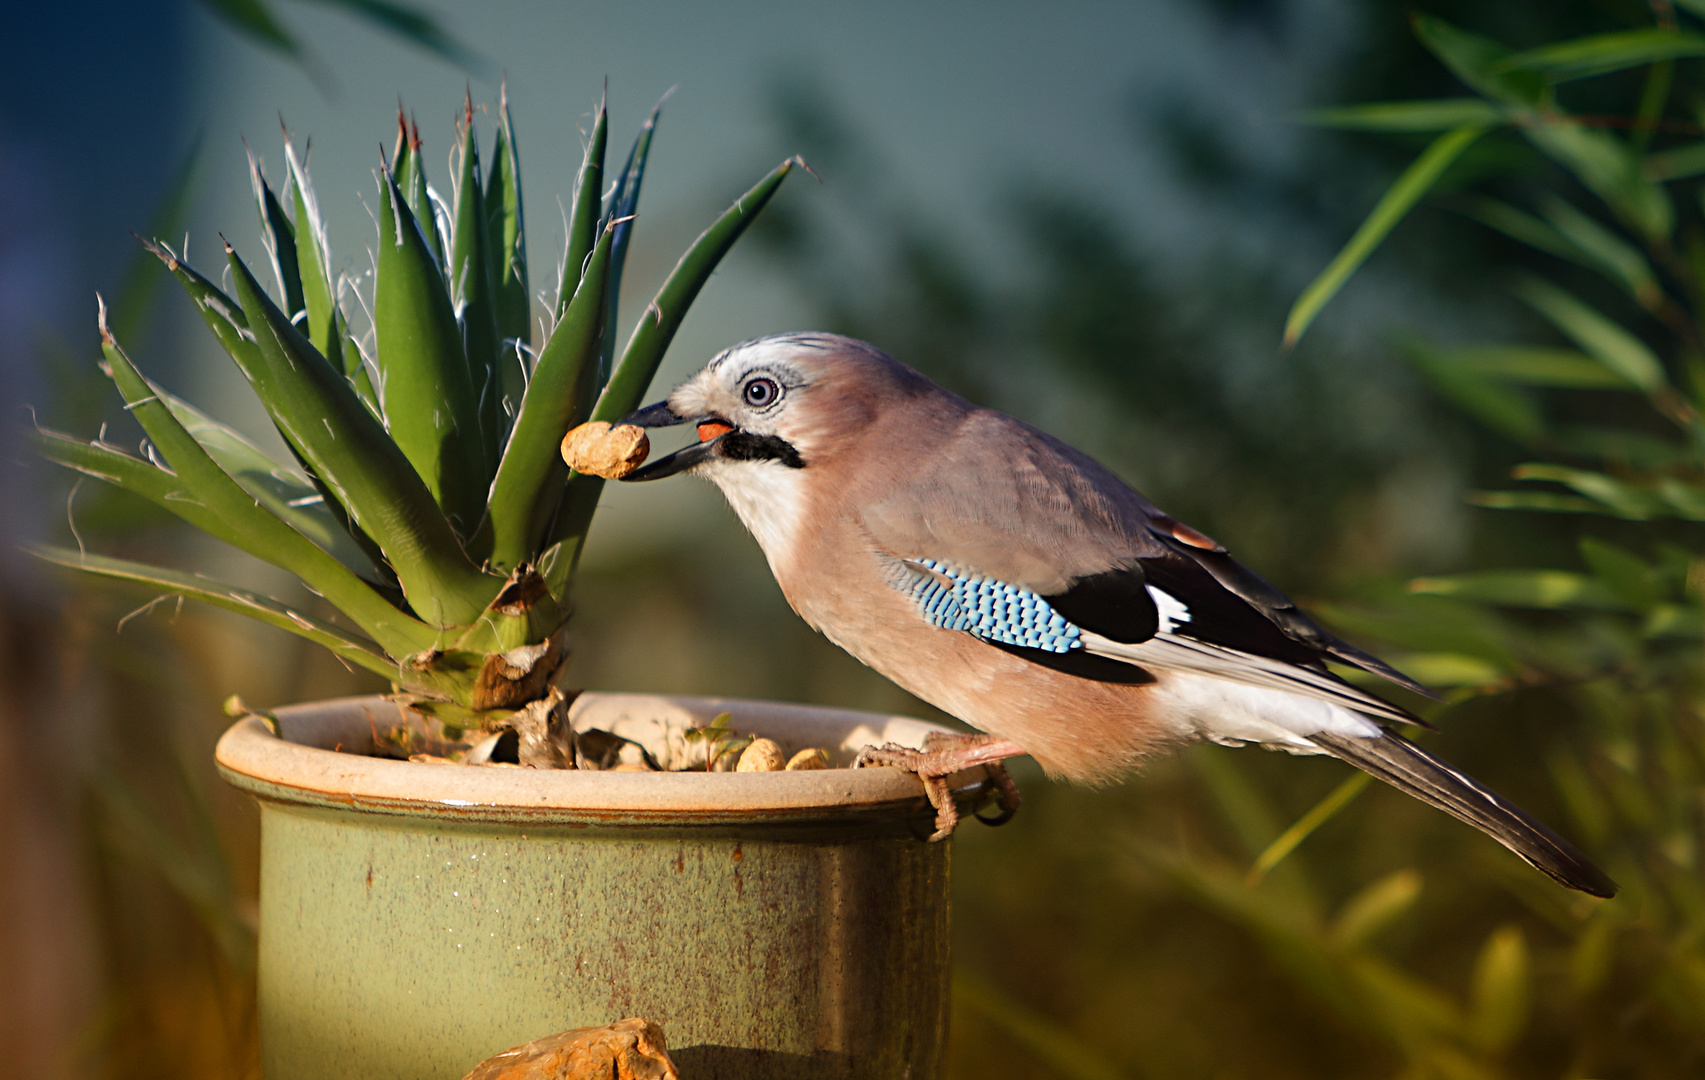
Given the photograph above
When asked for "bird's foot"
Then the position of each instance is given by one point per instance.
(942, 756)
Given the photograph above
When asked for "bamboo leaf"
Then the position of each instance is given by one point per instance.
(1480, 63)
(1500, 407)
(1063, 1049)
(1444, 114)
(430, 404)
(1523, 227)
(1676, 163)
(1685, 500)
(252, 17)
(1532, 365)
(1449, 669)
(1627, 575)
(258, 532)
(588, 210)
(1397, 201)
(1544, 501)
(1614, 495)
(1606, 252)
(1375, 907)
(1599, 54)
(133, 303)
(319, 414)
(472, 299)
(261, 608)
(1598, 336)
(1545, 589)
(411, 24)
(1609, 169)
(529, 481)
(506, 236)
(1322, 812)
(1501, 990)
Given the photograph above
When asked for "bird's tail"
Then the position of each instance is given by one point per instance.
(1410, 769)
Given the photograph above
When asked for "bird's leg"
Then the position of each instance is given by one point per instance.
(942, 756)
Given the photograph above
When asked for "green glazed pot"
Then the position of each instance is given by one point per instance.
(417, 918)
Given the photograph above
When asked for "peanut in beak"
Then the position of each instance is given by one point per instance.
(598, 449)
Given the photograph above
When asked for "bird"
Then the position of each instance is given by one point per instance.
(1017, 584)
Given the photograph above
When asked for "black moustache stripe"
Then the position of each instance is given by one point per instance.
(744, 446)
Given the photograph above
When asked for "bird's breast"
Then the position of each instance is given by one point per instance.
(769, 499)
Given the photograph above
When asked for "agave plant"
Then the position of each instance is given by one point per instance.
(426, 500)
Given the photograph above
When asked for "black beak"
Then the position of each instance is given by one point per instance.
(680, 461)
(660, 415)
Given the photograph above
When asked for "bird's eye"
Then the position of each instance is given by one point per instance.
(761, 392)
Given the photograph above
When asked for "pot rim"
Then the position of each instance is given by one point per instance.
(310, 764)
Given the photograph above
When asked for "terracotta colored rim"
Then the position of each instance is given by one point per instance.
(303, 766)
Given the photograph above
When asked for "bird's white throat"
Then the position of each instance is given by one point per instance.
(769, 498)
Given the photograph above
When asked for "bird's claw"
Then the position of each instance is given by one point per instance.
(942, 757)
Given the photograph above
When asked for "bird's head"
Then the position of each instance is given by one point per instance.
(794, 401)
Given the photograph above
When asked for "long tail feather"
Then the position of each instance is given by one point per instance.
(1412, 770)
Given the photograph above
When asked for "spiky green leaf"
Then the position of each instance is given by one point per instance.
(115, 467)
(314, 264)
(645, 348)
(506, 238)
(257, 530)
(588, 211)
(623, 204)
(278, 236)
(472, 294)
(284, 490)
(529, 481)
(195, 587)
(409, 173)
(644, 352)
(319, 414)
(430, 403)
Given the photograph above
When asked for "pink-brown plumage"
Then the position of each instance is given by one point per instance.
(1019, 585)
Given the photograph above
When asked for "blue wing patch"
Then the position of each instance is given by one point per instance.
(992, 610)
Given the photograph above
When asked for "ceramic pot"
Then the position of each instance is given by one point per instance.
(417, 918)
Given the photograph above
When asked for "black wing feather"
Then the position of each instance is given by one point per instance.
(1229, 604)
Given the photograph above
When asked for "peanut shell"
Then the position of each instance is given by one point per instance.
(814, 757)
(598, 449)
(764, 755)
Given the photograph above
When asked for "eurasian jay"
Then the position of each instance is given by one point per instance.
(1019, 585)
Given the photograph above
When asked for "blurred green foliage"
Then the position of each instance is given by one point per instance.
(1225, 914)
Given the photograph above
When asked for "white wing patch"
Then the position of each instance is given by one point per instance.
(1173, 612)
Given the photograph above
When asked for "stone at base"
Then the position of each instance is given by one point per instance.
(631, 1049)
